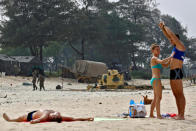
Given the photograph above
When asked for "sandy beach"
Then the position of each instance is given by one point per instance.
(17, 99)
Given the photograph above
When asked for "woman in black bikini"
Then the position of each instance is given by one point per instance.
(44, 116)
(176, 74)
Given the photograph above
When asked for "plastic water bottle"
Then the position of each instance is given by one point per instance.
(130, 114)
(132, 102)
(131, 106)
(141, 102)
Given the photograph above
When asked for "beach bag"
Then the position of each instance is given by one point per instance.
(137, 110)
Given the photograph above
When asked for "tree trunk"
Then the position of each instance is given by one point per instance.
(32, 51)
(76, 50)
(41, 53)
(82, 51)
(133, 60)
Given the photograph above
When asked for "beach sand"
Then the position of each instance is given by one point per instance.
(20, 99)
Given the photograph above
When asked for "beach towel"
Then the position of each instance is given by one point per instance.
(108, 119)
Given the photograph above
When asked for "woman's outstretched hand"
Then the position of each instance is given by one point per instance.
(161, 24)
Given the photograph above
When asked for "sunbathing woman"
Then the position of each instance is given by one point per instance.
(44, 116)
(156, 65)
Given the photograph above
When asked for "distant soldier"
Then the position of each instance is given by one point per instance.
(16, 70)
(194, 78)
(191, 78)
(41, 81)
(34, 79)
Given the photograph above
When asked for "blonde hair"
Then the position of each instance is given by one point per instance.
(153, 46)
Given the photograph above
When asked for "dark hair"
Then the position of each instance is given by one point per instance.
(58, 120)
(177, 35)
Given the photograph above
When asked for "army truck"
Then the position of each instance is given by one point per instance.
(89, 71)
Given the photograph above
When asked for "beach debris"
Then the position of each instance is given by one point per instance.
(100, 102)
(8, 102)
(69, 84)
(27, 84)
(149, 92)
(58, 87)
(123, 115)
(5, 96)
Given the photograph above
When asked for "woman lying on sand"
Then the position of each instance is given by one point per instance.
(44, 116)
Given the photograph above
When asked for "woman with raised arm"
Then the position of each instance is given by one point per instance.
(176, 73)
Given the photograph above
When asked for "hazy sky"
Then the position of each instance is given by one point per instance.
(183, 11)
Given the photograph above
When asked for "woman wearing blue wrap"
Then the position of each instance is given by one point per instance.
(156, 65)
(176, 73)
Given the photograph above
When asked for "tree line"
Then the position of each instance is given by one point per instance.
(97, 30)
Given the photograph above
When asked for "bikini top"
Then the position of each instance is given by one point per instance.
(158, 66)
(178, 54)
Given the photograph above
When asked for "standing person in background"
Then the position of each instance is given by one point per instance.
(34, 73)
(41, 80)
(16, 70)
(176, 73)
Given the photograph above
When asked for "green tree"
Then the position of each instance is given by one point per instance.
(15, 51)
(138, 14)
(32, 24)
(87, 26)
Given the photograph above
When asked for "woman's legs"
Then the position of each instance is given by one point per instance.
(152, 106)
(19, 119)
(158, 92)
(177, 89)
(157, 98)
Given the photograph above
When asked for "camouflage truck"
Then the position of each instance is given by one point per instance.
(89, 71)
